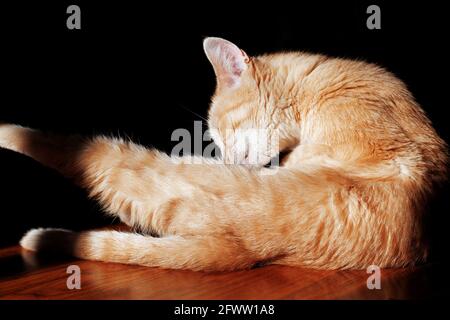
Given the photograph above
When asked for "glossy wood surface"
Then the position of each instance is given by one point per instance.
(25, 275)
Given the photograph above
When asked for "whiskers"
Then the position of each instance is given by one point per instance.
(204, 122)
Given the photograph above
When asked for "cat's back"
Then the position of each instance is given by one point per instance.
(318, 72)
(363, 89)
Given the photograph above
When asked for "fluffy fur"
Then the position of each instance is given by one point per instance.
(364, 159)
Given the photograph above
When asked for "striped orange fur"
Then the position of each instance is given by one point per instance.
(363, 161)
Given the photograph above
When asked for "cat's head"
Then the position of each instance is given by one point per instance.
(244, 117)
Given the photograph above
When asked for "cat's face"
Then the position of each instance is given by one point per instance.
(242, 117)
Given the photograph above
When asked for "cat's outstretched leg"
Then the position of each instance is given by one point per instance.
(206, 253)
(53, 151)
(129, 180)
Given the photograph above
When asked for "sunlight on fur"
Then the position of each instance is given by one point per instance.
(363, 161)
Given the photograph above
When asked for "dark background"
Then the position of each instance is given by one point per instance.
(136, 69)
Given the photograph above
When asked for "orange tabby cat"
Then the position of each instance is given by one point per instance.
(364, 159)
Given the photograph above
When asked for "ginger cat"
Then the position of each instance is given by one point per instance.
(364, 159)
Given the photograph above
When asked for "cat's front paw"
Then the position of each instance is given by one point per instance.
(47, 239)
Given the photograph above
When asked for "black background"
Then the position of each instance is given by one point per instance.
(136, 68)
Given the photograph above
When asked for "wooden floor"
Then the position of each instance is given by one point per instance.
(24, 275)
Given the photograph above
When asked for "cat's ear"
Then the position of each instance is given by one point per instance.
(227, 59)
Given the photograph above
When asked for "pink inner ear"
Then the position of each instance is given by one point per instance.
(235, 59)
(228, 60)
(236, 68)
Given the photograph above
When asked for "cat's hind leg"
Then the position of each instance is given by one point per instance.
(207, 253)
